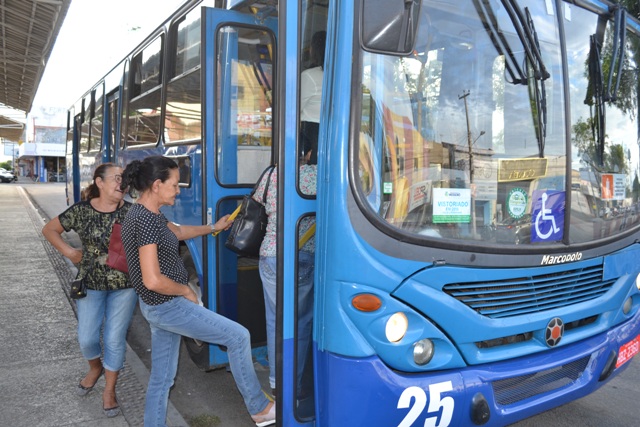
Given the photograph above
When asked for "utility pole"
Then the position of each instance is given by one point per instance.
(466, 113)
(470, 144)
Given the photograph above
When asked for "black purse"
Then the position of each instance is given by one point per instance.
(250, 225)
(78, 289)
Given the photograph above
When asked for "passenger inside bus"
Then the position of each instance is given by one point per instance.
(268, 263)
(311, 91)
(310, 98)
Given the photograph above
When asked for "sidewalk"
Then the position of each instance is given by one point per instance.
(40, 362)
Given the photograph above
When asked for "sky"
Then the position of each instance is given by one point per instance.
(93, 38)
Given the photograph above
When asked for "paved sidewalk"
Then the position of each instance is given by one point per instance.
(40, 362)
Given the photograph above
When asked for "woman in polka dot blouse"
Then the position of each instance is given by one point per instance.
(170, 306)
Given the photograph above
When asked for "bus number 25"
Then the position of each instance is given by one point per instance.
(436, 404)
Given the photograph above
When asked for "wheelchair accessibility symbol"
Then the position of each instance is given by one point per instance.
(548, 216)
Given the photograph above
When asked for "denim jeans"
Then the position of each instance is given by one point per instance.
(267, 267)
(172, 319)
(111, 312)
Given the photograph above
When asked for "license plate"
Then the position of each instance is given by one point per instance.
(628, 350)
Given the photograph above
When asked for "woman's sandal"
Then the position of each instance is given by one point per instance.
(112, 412)
(83, 391)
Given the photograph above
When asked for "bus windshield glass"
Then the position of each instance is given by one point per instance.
(466, 138)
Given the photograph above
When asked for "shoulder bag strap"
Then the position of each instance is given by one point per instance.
(266, 187)
(268, 169)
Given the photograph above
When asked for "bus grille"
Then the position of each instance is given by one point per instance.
(525, 295)
(515, 389)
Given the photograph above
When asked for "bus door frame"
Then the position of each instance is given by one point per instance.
(215, 194)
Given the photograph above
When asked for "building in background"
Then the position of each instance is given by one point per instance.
(41, 156)
(8, 153)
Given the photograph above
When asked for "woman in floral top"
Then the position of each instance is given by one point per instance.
(110, 299)
(268, 264)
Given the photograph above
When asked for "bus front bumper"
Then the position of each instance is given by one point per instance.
(366, 392)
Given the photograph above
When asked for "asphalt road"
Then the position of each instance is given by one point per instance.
(201, 396)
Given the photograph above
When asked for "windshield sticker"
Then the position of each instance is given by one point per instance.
(420, 194)
(613, 186)
(451, 205)
(547, 219)
(517, 203)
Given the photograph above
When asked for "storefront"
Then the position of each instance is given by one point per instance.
(42, 162)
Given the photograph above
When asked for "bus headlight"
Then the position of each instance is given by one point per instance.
(638, 282)
(626, 307)
(396, 327)
(423, 351)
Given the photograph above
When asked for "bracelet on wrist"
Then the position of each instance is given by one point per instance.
(214, 232)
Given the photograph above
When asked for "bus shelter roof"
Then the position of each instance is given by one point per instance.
(28, 29)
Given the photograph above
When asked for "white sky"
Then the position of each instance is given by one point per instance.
(94, 37)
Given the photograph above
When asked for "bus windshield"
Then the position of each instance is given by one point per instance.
(466, 137)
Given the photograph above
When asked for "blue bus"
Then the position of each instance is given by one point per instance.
(476, 214)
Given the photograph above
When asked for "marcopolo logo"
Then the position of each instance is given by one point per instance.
(559, 259)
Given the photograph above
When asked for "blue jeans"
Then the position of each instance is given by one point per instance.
(267, 267)
(111, 312)
(172, 319)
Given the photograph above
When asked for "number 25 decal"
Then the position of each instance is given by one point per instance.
(438, 405)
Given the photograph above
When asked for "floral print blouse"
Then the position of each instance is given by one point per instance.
(308, 174)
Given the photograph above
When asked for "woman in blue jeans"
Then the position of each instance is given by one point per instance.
(306, 260)
(170, 306)
(110, 299)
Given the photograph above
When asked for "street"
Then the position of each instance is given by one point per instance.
(199, 395)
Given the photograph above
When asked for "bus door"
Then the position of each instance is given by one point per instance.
(238, 71)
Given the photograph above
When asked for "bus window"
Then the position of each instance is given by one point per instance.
(183, 109)
(604, 171)
(95, 138)
(113, 104)
(85, 120)
(244, 107)
(440, 154)
(143, 124)
(304, 317)
(125, 97)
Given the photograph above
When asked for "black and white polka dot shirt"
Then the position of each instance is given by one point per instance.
(142, 227)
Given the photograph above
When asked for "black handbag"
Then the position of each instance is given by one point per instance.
(250, 226)
(78, 289)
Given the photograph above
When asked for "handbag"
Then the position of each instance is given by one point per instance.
(250, 226)
(116, 257)
(78, 289)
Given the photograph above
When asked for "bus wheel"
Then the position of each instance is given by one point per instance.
(198, 350)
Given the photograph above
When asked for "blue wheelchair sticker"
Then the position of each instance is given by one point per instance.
(547, 219)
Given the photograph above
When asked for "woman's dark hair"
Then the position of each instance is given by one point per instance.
(92, 191)
(318, 41)
(140, 175)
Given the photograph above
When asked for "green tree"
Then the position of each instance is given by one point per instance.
(6, 165)
(615, 161)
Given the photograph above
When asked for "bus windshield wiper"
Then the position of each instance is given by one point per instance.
(617, 52)
(538, 87)
(526, 31)
(595, 98)
(487, 16)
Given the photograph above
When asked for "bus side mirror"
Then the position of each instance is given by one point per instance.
(389, 26)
